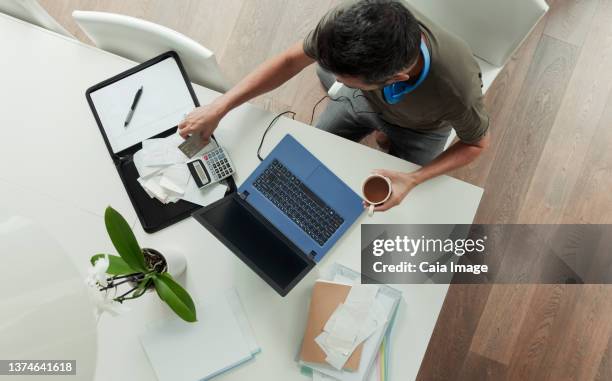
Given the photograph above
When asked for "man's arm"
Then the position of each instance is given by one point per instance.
(458, 155)
(268, 76)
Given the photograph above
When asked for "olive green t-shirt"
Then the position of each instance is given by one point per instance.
(450, 96)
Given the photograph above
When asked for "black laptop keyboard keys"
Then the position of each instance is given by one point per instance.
(298, 202)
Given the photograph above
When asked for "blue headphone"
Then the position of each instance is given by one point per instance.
(394, 92)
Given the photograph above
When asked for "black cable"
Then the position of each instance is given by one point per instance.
(263, 137)
(340, 99)
(314, 108)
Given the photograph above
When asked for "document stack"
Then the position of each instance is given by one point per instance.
(164, 174)
(220, 340)
(348, 330)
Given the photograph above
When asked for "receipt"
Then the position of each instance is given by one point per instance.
(162, 151)
(353, 322)
(175, 178)
(318, 376)
(165, 176)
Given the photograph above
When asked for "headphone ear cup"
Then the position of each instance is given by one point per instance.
(394, 92)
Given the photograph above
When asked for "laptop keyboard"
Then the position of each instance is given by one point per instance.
(298, 202)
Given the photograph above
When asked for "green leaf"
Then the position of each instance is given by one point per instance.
(123, 239)
(142, 288)
(117, 265)
(175, 296)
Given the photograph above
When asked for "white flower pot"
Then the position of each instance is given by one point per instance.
(176, 262)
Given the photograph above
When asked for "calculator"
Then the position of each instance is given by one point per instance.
(211, 168)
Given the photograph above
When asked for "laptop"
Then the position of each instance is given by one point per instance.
(285, 217)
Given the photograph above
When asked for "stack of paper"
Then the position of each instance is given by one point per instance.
(351, 324)
(379, 370)
(359, 323)
(164, 174)
(220, 340)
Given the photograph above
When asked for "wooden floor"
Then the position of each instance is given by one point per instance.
(550, 162)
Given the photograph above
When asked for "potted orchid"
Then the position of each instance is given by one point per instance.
(135, 268)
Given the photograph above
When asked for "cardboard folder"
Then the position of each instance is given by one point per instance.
(167, 97)
(326, 296)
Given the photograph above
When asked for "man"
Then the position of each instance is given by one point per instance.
(403, 75)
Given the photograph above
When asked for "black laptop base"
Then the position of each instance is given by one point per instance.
(256, 242)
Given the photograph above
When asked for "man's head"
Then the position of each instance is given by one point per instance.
(368, 44)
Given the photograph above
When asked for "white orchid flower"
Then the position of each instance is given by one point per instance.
(107, 304)
(96, 274)
(103, 302)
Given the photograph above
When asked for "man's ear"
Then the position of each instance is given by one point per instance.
(399, 77)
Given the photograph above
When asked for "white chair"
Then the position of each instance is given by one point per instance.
(494, 29)
(141, 40)
(31, 11)
(46, 311)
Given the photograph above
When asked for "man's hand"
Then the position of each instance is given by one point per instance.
(267, 77)
(458, 155)
(402, 184)
(203, 120)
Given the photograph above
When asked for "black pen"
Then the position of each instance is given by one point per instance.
(134, 104)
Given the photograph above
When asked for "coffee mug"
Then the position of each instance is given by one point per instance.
(376, 190)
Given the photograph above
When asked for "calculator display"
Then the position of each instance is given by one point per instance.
(200, 170)
(213, 167)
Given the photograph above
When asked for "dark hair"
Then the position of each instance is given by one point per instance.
(370, 39)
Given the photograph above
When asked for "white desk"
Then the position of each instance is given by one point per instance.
(69, 180)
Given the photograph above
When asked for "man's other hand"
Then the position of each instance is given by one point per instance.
(402, 183)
